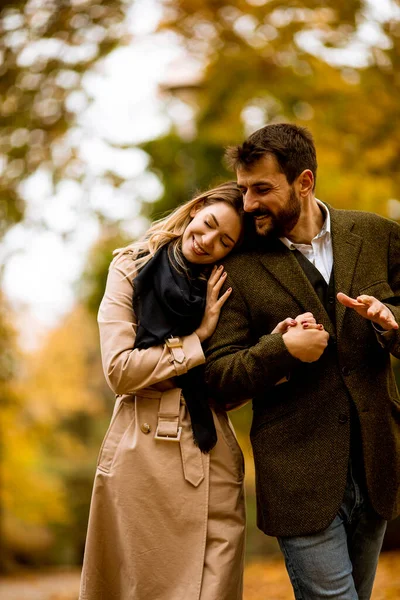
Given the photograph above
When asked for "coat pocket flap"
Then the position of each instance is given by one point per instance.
(380, 290)
(122, 418)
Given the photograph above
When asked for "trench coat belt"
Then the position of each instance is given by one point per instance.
(170, 430)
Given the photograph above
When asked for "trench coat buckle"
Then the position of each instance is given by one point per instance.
(168, 438)
(174, 342)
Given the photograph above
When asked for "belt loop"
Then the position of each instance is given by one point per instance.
(168, 429)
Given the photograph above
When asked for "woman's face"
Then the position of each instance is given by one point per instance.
(212, 233)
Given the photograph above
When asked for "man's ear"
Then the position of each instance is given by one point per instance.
(306, 182)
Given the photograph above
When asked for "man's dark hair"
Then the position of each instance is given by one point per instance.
(292, 146)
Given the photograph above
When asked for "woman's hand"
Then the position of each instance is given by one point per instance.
(306, 320)
(214, 303)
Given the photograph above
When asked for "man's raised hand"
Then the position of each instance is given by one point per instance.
(370, 308)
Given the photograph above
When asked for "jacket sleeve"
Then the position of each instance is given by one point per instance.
(126, 369)
(239, 367)
(391, 339)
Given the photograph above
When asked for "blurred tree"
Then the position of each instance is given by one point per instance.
(332, 68)
(45, 48)
(30, 496)
(57, 410)
(91, 284)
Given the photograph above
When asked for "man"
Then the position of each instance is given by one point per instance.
(326, 441)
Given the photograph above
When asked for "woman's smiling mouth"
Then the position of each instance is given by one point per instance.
(198, 249)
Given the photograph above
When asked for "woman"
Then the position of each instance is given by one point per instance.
(167, 517)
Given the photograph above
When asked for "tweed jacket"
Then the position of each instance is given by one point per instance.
(301, 429)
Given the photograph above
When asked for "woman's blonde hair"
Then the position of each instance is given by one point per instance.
(171, 228)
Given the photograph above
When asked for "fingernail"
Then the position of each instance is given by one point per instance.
(221, 267)
(320, 326)
(305, 325)
(229, 289)
(223, 274)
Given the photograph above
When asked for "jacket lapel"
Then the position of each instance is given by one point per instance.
(346, 250)
(284, 267)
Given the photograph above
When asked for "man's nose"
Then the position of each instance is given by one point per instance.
(250, 202)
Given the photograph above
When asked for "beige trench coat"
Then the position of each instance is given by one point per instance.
(166, 521)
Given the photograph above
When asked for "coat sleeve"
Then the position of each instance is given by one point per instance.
(126, 369)
(239, 367)
(391, 339)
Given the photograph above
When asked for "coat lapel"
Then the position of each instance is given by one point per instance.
(284, 267)
(346, 250)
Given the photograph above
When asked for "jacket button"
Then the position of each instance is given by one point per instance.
(331, 300)
(145, 427)
(346, 371)
(343, 418)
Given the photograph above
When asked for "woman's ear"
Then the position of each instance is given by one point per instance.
(195, 209)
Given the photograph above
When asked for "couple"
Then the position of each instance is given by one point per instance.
(310, 310)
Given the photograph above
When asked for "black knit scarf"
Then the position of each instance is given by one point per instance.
(169, 302)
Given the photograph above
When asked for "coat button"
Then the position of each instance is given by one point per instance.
(343, 418)
(331, 300)
(145, 427)
(346, 371)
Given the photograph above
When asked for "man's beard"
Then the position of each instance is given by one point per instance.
(279, 224)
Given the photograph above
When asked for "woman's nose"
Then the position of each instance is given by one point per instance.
(208, 239)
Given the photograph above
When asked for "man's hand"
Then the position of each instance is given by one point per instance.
(370, 308)
(306, 344)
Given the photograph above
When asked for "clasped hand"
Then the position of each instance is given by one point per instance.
(304, 338)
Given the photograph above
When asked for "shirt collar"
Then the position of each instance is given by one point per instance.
(325, 229)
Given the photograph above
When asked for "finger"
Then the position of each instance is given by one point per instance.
(283, 326)
(304, 316)
(375, 311)
(392, 323)
(286, 322)
(366, 300)
(312, 326)
(347, 301)
(387, 320)
(308, 320)
(218, 285)
(221, 301)
(215, 273)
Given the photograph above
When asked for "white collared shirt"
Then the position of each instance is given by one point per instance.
(319, 252)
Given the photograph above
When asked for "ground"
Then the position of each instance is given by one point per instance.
(264, 580)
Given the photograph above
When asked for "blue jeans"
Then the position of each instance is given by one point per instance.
(339, 562)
